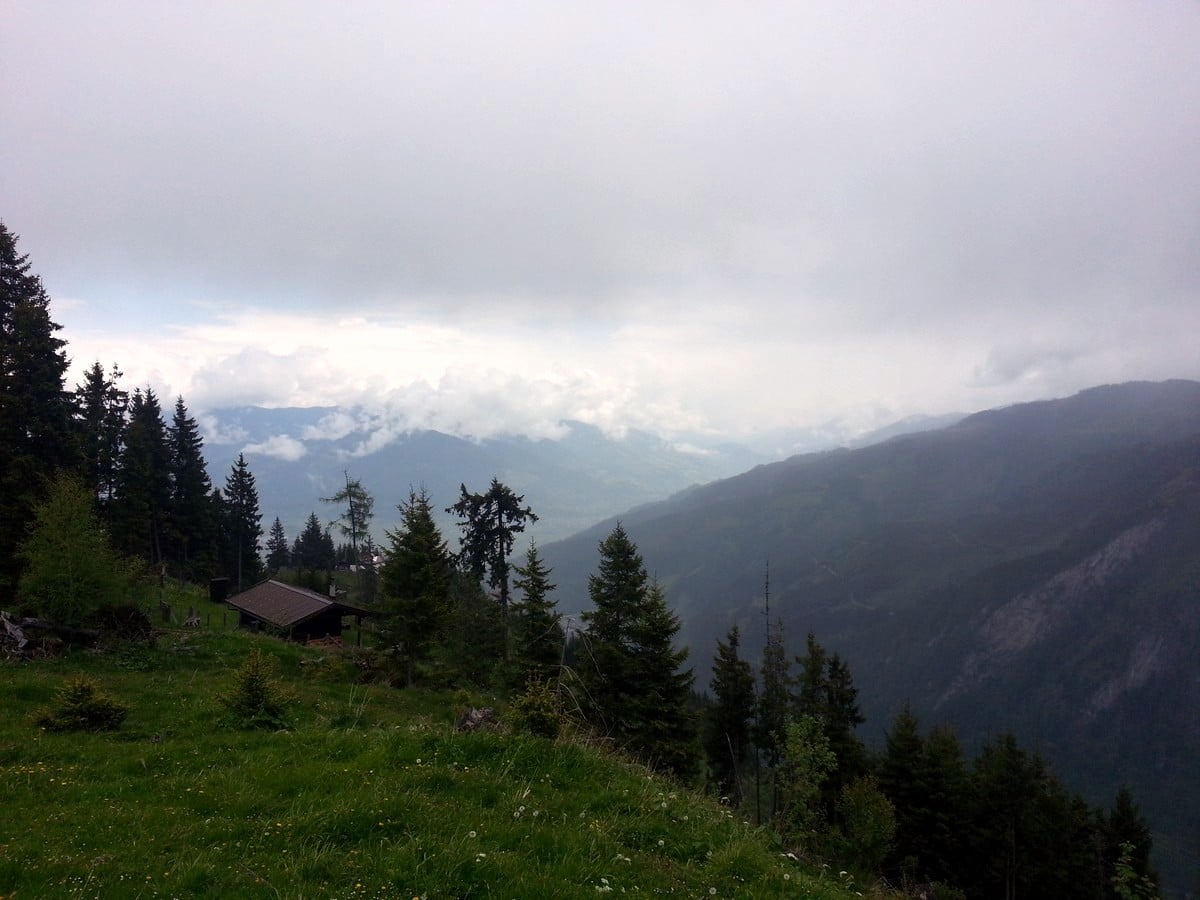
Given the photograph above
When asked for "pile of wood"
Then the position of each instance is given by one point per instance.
(27, 638)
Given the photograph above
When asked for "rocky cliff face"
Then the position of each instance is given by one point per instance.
(1044, 613)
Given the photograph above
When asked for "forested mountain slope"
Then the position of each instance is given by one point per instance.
(1034, 568)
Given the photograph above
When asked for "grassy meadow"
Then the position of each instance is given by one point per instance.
(368, 793)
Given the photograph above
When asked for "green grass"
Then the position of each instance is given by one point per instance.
(370, 793)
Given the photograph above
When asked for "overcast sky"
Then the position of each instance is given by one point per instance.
(721, 218)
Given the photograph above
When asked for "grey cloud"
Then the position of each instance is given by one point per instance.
(946, 173)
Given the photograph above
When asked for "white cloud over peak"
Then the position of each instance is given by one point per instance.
(280, 446)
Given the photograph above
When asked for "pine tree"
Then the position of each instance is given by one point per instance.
(809, 697)
(842, 716)
(537, 634)
(634, 682)
(37, 437)
(940, 839)
(1126, 835)
(415, 582)
(142, 504)
(243, 527)
(278, 553)
(193, 522)
(490, 522)
(313, 553)
(617, 590)
(100, 410)
(473, 644)
(664, 727)
(730, 716)
(771, 710)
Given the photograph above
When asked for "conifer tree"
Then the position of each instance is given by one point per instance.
(664, 729)
(415, 582)
(243, 525)
(313, 552)
(537, 634)
(617, 591)
(192, 519)
(490, 523)
(727, 736)
(355, 520)
(37, 437)
(142, 505)
(771, 710)
(638, 693)
(1126, 835)
(473, 643)
(100, 409)
(278, 553)
(900, 780)
(940, 835)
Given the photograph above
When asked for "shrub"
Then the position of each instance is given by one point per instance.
(81, 706)
(257, 699)
(536, 710)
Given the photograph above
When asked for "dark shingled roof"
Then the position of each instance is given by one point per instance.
(285, 605)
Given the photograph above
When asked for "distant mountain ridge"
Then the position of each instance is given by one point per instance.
(299, 455)
(1033, 568)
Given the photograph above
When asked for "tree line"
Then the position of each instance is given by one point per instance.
(147, 477)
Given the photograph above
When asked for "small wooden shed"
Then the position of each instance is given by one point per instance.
(295, 612)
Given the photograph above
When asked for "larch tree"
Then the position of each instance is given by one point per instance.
(359, 509)
(37, 436)
(490, 523)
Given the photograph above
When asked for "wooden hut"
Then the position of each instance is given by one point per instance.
(294, 612)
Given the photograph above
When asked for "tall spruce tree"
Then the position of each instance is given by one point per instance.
(771, 709)
(243, 526)
(37, 437)
(278, 552)
(490, 523)
(537, 634)
(665, 727)
(142, 505)
(727, 732)
(100, 410)
(193, 520)
(1125, 833)
(313, 555)
(415, 584)
(632, 674)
